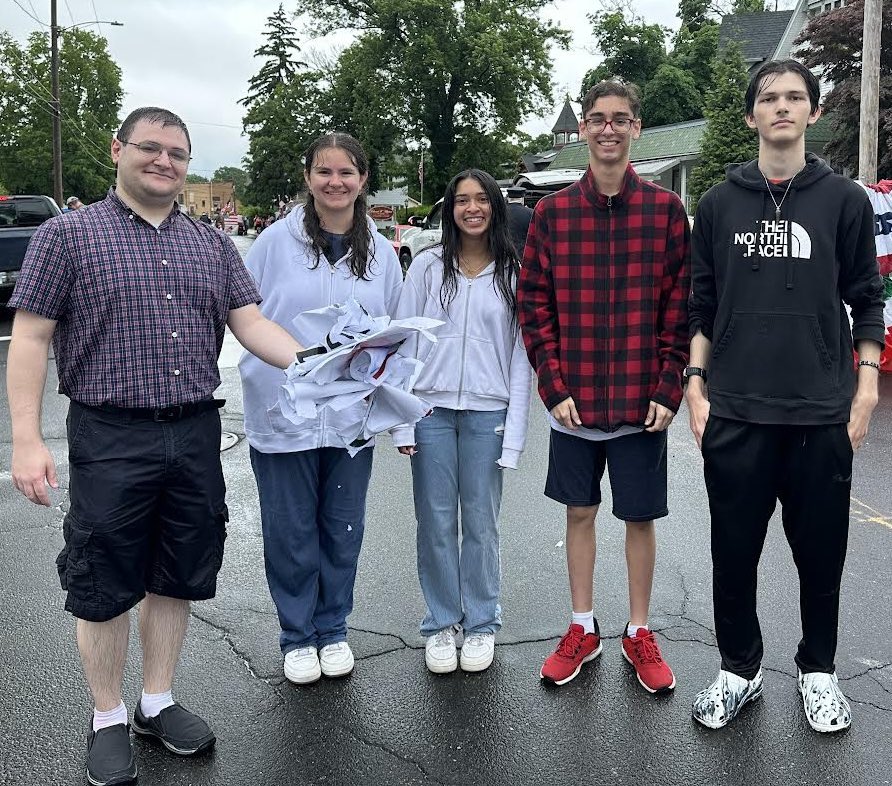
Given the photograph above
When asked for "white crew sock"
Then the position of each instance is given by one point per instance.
(102, 720)
(586, 619)
(152, 703)
(632, 630)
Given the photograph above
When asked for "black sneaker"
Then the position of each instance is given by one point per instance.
(110, 759)
(180, 731)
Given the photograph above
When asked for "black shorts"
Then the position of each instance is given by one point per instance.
(147, 511)
(637, 467)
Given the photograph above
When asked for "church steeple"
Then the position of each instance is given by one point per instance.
(566, 127)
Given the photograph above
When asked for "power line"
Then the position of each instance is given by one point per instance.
(32, 7)
(218, 125)
(27, 12)
(47, 100)
(80, 137)
(96, 17)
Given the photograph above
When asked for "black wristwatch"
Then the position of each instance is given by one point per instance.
(694, 371)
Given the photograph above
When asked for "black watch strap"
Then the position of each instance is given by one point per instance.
(694, 371)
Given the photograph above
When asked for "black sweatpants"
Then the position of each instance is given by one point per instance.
(748, 468)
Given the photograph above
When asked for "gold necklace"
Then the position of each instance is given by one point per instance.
(468, 271)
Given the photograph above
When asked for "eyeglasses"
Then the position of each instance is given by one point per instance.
(153, 149)
(595, 125)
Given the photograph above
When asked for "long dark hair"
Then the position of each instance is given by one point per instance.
(359, 237)
(501, 248)
(775, 68)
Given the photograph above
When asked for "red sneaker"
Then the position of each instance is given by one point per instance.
(577, 647)
(643, 652)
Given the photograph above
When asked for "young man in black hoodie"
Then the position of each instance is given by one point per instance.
(775, 404)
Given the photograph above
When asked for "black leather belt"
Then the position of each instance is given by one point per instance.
(163, 414)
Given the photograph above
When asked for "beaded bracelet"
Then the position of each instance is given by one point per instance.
(869, 363)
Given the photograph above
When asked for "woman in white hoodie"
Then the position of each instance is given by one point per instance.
(312, 493)
(477, 378)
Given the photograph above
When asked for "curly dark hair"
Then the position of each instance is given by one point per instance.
(360, 236)
(501, 247)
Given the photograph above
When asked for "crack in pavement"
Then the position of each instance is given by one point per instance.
(429, 777)
(874, 679)
(226, 636)
(869, 704)
(374, 655)
(400, 639)
(241, 609)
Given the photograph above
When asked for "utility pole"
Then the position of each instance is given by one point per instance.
(57, 109)
(870, 91)
(55, 30)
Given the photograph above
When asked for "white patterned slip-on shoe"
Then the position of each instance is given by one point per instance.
(720, 703)
(826, 708)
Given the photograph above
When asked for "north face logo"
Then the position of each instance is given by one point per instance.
(775, 239)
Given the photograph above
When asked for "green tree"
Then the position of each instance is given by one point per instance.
(832, 43)
(672, 96)
(279, 131)
(694, 14)
(727, 138)
(673, 86)
(283, 116)
(534, 144)
(694, 51)
(748, 6)
(633, 49)
(194, 178)
(491, 152)
(90, 99)
(364, 107)
(281, 66)
(233, 174)
(447, 73)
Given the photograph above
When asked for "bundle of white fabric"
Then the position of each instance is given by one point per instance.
(355, 373)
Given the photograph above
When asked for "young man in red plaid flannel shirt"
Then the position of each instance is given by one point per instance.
(603, 307)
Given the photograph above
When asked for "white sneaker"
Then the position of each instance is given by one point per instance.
(478, 651)
(336, 659)
(439, 652)
(302, 666)
(825, 706)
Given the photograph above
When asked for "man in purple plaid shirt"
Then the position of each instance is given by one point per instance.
(135, 297)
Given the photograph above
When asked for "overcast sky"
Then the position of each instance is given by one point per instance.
(196, 57)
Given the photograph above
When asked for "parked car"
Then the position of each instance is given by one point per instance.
(397, 235)
(545, 182)
(430, 230)
(19, 218)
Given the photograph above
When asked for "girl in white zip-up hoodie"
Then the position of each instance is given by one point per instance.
(478, 380)
(312, 493)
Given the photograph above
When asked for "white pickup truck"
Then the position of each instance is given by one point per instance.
(429, 231)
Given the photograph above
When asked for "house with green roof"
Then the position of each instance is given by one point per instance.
(667, 155)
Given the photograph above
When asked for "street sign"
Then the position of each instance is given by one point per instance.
(381, 213)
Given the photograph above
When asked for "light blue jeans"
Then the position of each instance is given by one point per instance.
(455, 469)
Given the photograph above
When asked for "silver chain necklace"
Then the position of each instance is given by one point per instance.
(777, 205)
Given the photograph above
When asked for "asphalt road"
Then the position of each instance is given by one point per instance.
(391, 722)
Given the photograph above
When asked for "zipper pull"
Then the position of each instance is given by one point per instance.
(610, 203)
